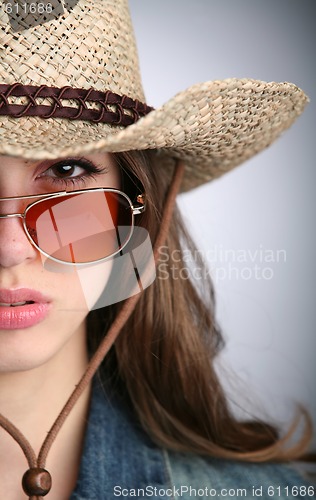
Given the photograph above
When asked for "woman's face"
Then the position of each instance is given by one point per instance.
(43, 307)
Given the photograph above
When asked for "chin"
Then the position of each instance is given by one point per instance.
(51, 342)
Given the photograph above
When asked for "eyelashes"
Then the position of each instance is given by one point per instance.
(72, 172)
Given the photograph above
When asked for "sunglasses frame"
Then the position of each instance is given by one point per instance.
(136, 209)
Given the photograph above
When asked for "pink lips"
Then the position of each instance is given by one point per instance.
(22, 308)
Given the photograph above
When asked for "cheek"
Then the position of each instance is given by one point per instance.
(93, 280)
(78, 288)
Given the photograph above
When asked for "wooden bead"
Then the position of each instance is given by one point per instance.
(36, 482)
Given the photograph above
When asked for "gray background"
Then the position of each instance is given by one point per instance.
(268, 203)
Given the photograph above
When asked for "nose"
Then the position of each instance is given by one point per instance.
(15, 247)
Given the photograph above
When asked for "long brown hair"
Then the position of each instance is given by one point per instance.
(164, 356)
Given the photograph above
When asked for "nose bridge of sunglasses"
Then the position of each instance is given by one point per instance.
(12, 207)
(21, 201)
(11, 218)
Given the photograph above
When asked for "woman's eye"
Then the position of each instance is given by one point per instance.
(71, 171)
(63, 170)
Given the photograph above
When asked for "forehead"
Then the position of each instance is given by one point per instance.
(12, 160)
(11, 167)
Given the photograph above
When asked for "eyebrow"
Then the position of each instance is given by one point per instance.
(27, 162)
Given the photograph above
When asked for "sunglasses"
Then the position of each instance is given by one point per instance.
(79, 227)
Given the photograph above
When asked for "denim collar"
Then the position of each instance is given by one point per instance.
(117, 452)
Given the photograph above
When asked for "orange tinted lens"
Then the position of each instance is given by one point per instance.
(81, 228)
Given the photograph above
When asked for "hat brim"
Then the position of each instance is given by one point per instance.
(213, 127)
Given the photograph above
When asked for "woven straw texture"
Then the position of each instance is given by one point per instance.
(213, 126)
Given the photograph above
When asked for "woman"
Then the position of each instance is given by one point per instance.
(154, 421)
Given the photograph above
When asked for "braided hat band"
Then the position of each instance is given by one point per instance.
(92, 105)
(89, 45)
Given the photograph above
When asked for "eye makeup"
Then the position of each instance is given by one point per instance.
(72, 172)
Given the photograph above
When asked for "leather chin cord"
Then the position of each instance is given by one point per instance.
(37, 481)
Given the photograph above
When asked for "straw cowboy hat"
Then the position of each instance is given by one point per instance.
(70, 84)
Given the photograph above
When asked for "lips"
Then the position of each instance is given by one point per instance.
(24, 303)
(22, 308)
